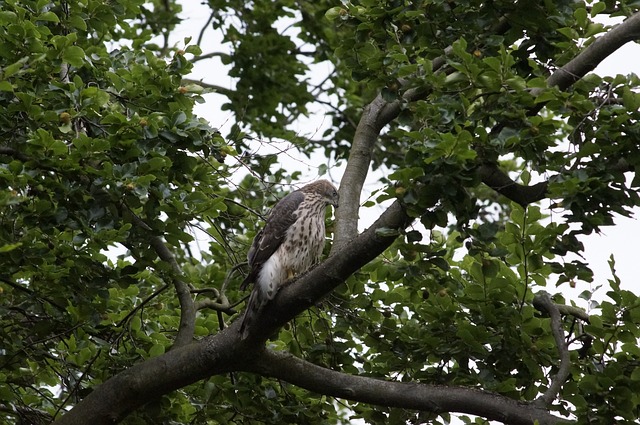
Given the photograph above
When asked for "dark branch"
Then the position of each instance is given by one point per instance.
(226, 352)
(499, 181)
(596, 52)
(423, 397)
(542, 302)
(209, 56)
(14, 153)
(563, 78)
(187, 325)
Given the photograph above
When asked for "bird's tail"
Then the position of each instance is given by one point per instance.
(256, 303)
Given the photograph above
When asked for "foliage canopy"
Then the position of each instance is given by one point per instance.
(125, 218)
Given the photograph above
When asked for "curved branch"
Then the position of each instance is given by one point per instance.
(215, 305)
(424, 397)
(563, 78)
(187, 326)
(210, 55)
(226, 352)
(499, 181)
(204, 27)
(374, 117)
(542, 302)
(569, 310)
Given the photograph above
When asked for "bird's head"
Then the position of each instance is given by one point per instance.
(326, 190)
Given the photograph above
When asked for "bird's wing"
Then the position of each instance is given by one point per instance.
(268, 240)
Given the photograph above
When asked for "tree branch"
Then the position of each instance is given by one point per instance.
(596, 52)
(569, 310)
(225, 351)
(4, 150)
(210, 55)
(187, 325)
(542, 302)
(423, 397)
(371, 122)
(374, 117)
(563, 78)
(499, 181)
(215, 305)
(218, 89)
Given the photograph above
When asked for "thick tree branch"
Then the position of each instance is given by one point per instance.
(499, 181)
(586, 61)
(4, 150)
(372, 120)
(569, 310)
(375, 116)
(596, 52)
(225, 351)
(429, 398)
(542, 301)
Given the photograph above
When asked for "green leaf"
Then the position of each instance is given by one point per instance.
(14, 67)
(156, 350)
(78, 22)
(135, 323)
(48, 17)
(10, 247)
(178, 118)
(333, 13)
(74, 55)
(597, 8)
(8, 17)
(6, 86)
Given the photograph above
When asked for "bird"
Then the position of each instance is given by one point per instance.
(289, 244)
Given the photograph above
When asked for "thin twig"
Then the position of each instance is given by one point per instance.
(32, 293)
(142, 304)
(204, 27)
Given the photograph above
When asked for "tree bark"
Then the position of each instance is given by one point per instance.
(424, 397)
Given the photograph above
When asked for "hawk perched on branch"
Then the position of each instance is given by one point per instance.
(290, 243)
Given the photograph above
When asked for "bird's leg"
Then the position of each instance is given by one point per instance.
(291, 276)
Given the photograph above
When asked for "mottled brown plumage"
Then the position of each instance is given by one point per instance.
(290, 243)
